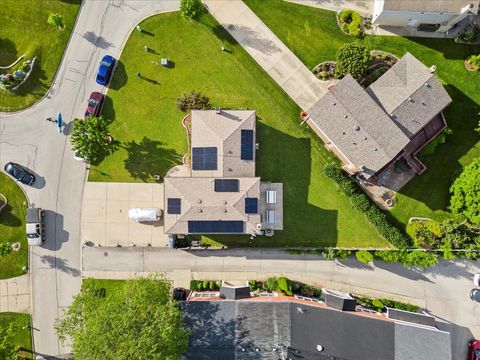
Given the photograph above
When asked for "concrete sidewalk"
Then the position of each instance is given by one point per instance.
(268, 51)
(15, 294)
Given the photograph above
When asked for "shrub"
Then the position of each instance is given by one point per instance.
(5, 249)
(364, 256)
(307, 290)
(360, 202)
(465, 199)
(271, 284)
(193, 101)
(346, 16)
(25, 66)
(472, 252)
(218, 284)
(425, 234)
(355, 27)
(475, 60)
(420, 259)
(430, 148)
(284, 285)
(390, 256)
(345, 28)
(332, 253)
(447, 251)
(211, 285)
(193, 285)
(192, 9)
(399, 305)
(354, 59)
(204, 285)
(334, 172)
(348, 187)
(56, 20)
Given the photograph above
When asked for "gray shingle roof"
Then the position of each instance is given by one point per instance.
(410, 93)
(357, 126)
(417, 343)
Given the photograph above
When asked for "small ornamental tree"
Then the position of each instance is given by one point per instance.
(91, 140)
(193, 101)
(465, 199)
(56, 20)
(191, 9)
(353, 59)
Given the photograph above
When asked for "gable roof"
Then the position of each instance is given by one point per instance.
(410, 93)
(200, 201)
(223, 131)
(357, 126)
(440, 6)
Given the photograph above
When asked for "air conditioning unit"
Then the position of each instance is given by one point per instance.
(259, 227)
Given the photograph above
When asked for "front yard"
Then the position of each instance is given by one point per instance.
(22, 338)
(12, 228)
(148, 127)
(24, 30)
(314, 37)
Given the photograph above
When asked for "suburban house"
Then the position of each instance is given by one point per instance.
(372, 129)
(271, 326)
(432, 16)
(219, 192)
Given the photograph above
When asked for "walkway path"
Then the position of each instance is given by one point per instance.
(102, 28)
(15, 294)
(443, 289)
(268, 51)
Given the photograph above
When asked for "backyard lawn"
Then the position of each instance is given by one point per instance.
(12, 228)
(24, 30)
(148, 127)
(313, 36)
(22, 338)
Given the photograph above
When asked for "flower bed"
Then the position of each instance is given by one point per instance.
(381, 62)
(470, 36)
(325, 70)
(12, 81)
(472, 63)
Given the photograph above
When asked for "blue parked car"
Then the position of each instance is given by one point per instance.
(105, 70)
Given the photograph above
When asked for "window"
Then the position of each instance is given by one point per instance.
(174, 206)
(251, 205)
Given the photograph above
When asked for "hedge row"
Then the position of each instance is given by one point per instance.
(380, 304)
(205, 285)
(362, 202)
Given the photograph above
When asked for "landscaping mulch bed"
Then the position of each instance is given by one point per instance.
(382, 61)
(325, 70)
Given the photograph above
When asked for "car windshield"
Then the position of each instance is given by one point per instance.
(92, 101)
(105, 63)
(16, 172)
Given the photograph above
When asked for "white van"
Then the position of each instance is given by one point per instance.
(145, 214)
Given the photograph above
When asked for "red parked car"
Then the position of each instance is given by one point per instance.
(95, 102)
(474, 350)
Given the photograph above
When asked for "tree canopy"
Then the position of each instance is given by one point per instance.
(465, 199)
(139, 320)
(191, 9)
(91, 140)
(353, 59)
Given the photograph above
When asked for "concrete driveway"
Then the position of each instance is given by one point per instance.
(105, 219)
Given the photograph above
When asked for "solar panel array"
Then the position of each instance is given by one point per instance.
(174, 206)
(215, 226)
(204, 158)
(247, 144)
(227, 185)
(251, 205)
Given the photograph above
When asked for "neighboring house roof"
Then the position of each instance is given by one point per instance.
(234, 330)
(357, 126)
(223, 131)
(200, 202)
(437, 6)
(410, 93)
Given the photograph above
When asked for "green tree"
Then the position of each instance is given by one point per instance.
(353, 59)
(138, 321)
(91, 140)
(8, 350)
(465, 199)
(364, 256)
(56, 20)
(191, 9)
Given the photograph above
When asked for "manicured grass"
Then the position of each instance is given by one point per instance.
(12, 228)
(313, 36)
(22, 338)
(152, 139)
(24, 30)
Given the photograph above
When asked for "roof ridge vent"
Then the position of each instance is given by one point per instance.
(199, 201)
(356, 127)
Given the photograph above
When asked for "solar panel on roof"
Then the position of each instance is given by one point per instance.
(215, 226)
(227, 185)
(174, 206)
(251, 205)
(246, 152)
(204, 158)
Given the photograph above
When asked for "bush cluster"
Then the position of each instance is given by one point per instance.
(415, 258)
(475, 60)
(361, 202)
(430, 148)
(193, 101)
(380, 304)
(205, 285)
(351, 22)
(353, 59)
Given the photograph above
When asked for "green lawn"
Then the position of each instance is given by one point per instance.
(313, 36)
(12, 228)
(22, 338)
(152, 139)
(24, 30)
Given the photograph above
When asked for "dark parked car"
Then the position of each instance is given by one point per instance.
(20, 173)
(474, 350)
(179, 294)
(105, 70)
(475, 295)
(94, 104)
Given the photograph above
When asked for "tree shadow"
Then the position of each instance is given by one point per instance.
(287, 159)
(8, 218)
(120, 77)
(59, 264)
(8, 53)
(444, 165)
(97, 40)
(54, 232)
(148, 158)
